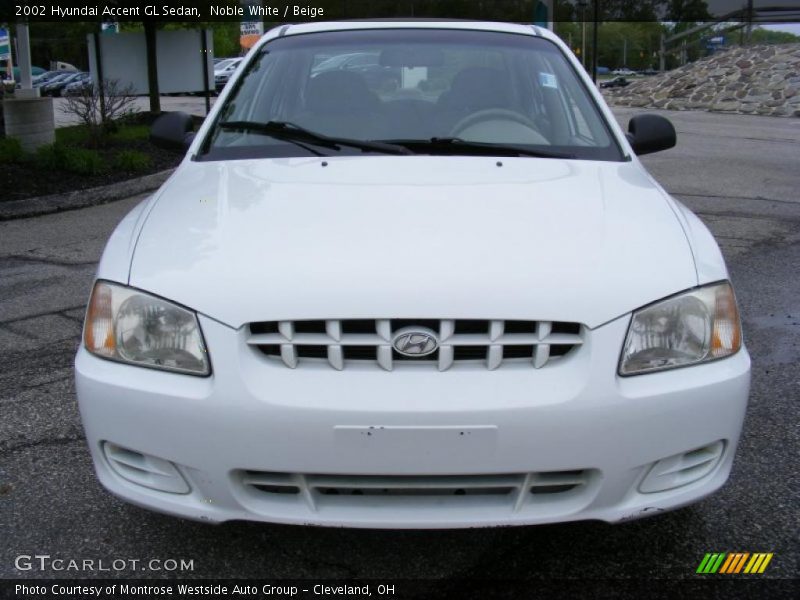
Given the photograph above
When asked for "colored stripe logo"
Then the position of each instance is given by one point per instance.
(733, 563)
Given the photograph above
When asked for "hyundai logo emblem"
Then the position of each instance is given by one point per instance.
(415, 341)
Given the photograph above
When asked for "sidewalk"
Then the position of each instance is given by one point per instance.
(194, 105)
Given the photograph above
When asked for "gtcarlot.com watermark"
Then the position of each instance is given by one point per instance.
(57, 564)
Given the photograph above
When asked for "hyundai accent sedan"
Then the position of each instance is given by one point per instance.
(456, 301)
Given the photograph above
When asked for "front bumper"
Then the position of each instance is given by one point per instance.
(415, 425)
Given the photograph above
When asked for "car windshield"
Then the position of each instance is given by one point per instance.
(430, 91)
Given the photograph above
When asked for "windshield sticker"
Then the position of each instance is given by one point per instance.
(548, 80)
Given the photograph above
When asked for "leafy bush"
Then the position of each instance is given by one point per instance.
(74, 135)
(131, 133)
(132, 160)
(59, 157)
(10, 150)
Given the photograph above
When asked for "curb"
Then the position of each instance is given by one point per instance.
(45, 205)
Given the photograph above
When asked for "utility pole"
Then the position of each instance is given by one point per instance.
(749, 27)
(624, 52)
(582, 4)
(583, 43)
(150, 33)
(594, 39)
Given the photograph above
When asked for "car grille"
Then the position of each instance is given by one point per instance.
(514, 490)
(490, 343)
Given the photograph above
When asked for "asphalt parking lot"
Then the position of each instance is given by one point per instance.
(740, 173)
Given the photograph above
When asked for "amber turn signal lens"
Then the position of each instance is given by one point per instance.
(726, 337)
(99, 328)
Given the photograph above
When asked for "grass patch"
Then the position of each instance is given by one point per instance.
(132, 160)
(10, 151)
(130, 133)
(60, 157)
(76, 135)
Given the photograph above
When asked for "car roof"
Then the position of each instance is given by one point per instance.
(317, 27)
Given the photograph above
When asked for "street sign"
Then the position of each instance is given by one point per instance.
(251, 27)
(5, 45)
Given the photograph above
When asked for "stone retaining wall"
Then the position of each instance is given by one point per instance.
(763, 80)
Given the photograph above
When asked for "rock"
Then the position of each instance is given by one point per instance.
(758, 98)
(725, 106)
(755, 79)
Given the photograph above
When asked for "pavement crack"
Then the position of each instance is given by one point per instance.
(729, 197)
(57, 311)
(78, 320)
(27, 258)
(33, 386)
(6, 448)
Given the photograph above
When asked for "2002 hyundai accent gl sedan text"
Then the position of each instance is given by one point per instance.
(412, 275)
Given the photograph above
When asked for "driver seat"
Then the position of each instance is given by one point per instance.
(473, 89)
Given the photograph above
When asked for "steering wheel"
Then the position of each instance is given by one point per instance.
(493, 114)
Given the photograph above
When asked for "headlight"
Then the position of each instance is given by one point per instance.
(130, 326)
(687, 329)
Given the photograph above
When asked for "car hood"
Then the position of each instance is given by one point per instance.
(412, 237)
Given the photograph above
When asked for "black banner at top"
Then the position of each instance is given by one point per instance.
(293, 11)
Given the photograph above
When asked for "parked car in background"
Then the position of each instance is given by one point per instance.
(52, 78)
(616, 82)
(78, 86)
(35, 72)
(625, 71)
(40, 80)
(475, 308)
(55, 86)
(223, 72)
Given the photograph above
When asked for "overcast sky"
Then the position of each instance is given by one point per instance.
(790, 27)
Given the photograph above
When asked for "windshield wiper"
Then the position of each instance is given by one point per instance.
(290, 132)
(456, 145)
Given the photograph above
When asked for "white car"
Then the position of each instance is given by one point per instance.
(467, 307)
(223, 71)
(624, 71)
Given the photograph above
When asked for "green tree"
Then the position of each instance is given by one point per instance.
(767, 36)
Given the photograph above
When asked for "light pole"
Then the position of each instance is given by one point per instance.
(582, 4)
(594, 39)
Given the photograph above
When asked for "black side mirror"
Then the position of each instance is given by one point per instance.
(172, 131)
(650, 133)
